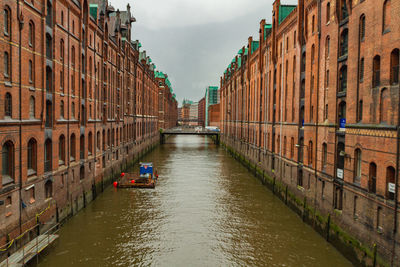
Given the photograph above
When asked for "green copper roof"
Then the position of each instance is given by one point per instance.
(140, 45)
(246, 51)
(93, 10)
(254, 46)
(267, 30)
(240, 51)
(284, 11)
(239, 62)
(159, 74)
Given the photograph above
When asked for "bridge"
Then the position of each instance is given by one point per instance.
(189, 131)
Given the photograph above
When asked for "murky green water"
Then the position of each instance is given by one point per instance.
(207, 210)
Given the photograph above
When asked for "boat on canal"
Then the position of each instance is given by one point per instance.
(147, 178)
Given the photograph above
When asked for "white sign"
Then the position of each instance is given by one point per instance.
(339, 173)
(391, 188)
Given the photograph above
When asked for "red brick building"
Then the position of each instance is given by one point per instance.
(167, 104)
(79, 100)
(315, 103)
(214, 115)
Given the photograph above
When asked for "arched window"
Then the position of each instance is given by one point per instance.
(303, 62)
(7, 155)
(310, 153)
(72, 148)
(384, 106)
(362, 28)
(324, 156)
(61, 150)
(48, 189)
(82, 173)
(6, 65)
(301, 149)
(344, 40)
(357, 166)
(328, 12)
(32, 156)
(62, 109)
(108, 137)
(30, 70)
(313, 24)
(49, 79)
(394, 66)
(376, 71)
(372, 178)
(48, 155)
(73, 56)
(82, 147)
(32, 107)
(386, 16)
(31, 36)
(312, 54)
(104, 140)
(62, 18)
(8, 105)
(390, 182)
(7, 21)
(49, 47)
(292, 147)
(343, 79)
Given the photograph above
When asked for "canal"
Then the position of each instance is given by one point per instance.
(207, 210)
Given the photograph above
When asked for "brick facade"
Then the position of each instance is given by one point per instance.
(79, 101)
(315, 102)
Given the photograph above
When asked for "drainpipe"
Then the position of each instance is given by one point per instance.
(267, 98)
(21, 24)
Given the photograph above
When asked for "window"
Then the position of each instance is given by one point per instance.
(328, 12)
(73, 56)
(360, 111)
(361, 70)
(62, 18)
(8, 105)
(390, 182)
(61, 150)
(73, 147)
(49, 79)
(357, 166)
(294, 39)
(386, 17)
(327, 79)
(310, 153)
(342, 114)
(384, 106)
(48, 155)
(98, 141)
(343, 79)
(49, 47)
(82, 147)
(394, 67)
(49, 19)
(324, 156)
(31, 34)
(7, 155)
(340, 160)
(7, 21)
(312, 54)
(313, 24)
(301, 149)
(32, 107)
(82, 173)
(32, 148)
(6, 65)
(90, 143)
(343, 10)
(344, 38)
(376, 81)
(362, 28)
(372, 178)
(48, 188)
(73, 110)
(327, 47)
(30, 70)
(49, 113)
(62, 109)
(31, 195)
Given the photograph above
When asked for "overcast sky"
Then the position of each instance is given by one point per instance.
(193, 41)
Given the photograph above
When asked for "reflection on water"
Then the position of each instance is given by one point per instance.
(207, 210)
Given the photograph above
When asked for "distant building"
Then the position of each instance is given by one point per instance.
(202, 111)
(194, 114)
(212, 98)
